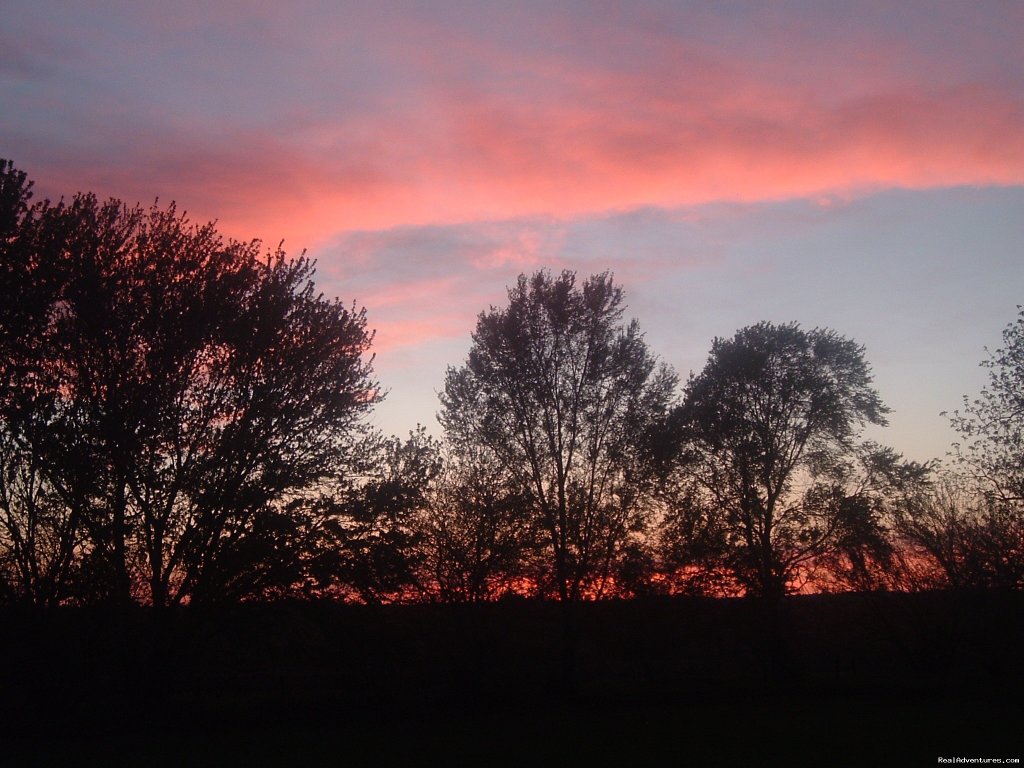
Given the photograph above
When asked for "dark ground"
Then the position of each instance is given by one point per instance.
(824, 680)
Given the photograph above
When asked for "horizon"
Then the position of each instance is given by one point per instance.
(856, 167)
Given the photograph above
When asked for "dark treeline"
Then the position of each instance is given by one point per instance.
(183, 420)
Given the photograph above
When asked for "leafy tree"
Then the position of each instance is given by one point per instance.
(636, 571)
(953, 536)
(981, 529)
(992, 425)
(692, 538)
(560, 393)
(861, 496)
(39, 534)
(482, 542)
(186, 393)
(380, 530)
(764, 431)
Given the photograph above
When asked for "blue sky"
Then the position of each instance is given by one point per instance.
(924, 280)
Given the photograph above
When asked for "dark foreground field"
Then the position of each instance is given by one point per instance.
(825, 680)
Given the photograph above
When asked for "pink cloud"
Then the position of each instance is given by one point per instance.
(395, 334)
(460, 115)
(507, 161)
(426, 153)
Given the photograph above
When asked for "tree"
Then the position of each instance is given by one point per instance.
(185, 394)
(955, 536)
(992, 425)
(39, 534)
(481, 540)
(763, 434)
(561, 393)
(988, 527)
(863, 497)
(380, 529)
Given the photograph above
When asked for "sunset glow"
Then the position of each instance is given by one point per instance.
(857, 166)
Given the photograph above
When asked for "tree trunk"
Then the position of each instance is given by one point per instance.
(122, 582)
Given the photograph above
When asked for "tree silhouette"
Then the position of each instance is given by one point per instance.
(764, 432)
(380, 529)
(956, 536)
(481, 539)
(560, 393)
(981, 530)
(992, 425)
(179, 395)
(861, 497)
(40, 535)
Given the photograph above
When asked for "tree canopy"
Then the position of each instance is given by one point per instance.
(992, 424)
(561, 392)
(974, 527)
(169, 397)
(774, 413)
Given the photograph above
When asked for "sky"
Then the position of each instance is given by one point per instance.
(851, 165)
